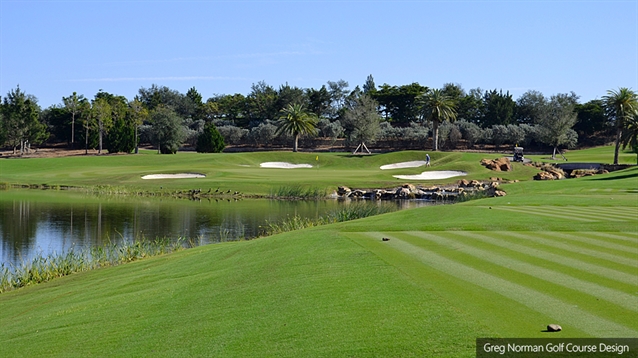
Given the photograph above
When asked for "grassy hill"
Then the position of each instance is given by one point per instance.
(562, 252)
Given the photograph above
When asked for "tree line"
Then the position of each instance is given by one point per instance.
(402, 116)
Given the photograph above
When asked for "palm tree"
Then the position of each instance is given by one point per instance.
(296, 121)
(620, 106)
(437, 107)
(630, 134)
(73, 104)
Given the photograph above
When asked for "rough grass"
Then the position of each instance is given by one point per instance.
(298, 192)
(353, 211)
(44, 268)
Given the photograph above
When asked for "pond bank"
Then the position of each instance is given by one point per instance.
(462, 189)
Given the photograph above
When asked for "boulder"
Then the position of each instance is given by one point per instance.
(494, 191)
(489, 164)
(358, 193)
(504, 164)
(499, 193)
(409, 187)
(404, 193)
(498, 164)
(557, 173)
(387, 194)
(344, 191)
(554, 328)
(544, 176)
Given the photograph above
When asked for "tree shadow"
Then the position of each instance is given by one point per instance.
(625, 176)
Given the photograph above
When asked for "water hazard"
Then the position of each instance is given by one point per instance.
(44, 222)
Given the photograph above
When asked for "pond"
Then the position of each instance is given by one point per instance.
(47, 221)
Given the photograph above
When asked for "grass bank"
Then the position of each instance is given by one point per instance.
(44, 268)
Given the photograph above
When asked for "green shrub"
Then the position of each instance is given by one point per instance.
(210, 140)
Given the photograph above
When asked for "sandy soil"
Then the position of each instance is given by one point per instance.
(432, 175)
(174, 176)
(284, 165)
(413, 164)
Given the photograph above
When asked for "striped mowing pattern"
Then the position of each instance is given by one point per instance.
(577, 213)
(574, 278)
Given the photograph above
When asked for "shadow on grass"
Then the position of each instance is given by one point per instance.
(625, 176)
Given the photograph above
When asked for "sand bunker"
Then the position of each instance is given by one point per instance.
(413, 164)
(441, 174)
(284, 165)
(174, 176)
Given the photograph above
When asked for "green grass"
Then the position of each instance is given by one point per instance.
(298, 192)
(353, 211)
(238, 171)
(603, 154)
(43, 268)
(121, 174)
(562, 252)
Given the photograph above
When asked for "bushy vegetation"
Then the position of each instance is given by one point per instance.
(353, 211)
(45, 268)
(391, 117)
(210, 141)
(298, 192)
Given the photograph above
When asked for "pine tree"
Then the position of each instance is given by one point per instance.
(210, 140)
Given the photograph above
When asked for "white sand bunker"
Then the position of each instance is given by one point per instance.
(413, 164)
(441, 174)
(174, 176)
(284, 165)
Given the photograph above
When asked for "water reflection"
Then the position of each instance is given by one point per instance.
(45, 222)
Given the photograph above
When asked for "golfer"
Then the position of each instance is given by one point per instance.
(427, 160)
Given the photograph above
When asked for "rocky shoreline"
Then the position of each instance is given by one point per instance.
(462, 189)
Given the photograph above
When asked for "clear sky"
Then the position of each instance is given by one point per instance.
(53, 48)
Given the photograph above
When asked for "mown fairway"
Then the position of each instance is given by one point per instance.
(584, 280)
(562, 252)
(237, 171)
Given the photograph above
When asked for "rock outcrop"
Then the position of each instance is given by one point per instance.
(544, 176)
(578, 173)
(550, 173)
(498, 164)
(410, 191)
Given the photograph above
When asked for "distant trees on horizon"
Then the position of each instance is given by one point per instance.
(405, 116)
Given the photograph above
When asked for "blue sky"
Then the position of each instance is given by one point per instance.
(53, 48)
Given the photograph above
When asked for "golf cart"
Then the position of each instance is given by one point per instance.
(518, 154)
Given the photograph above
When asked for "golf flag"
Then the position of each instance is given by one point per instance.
(317, 157)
